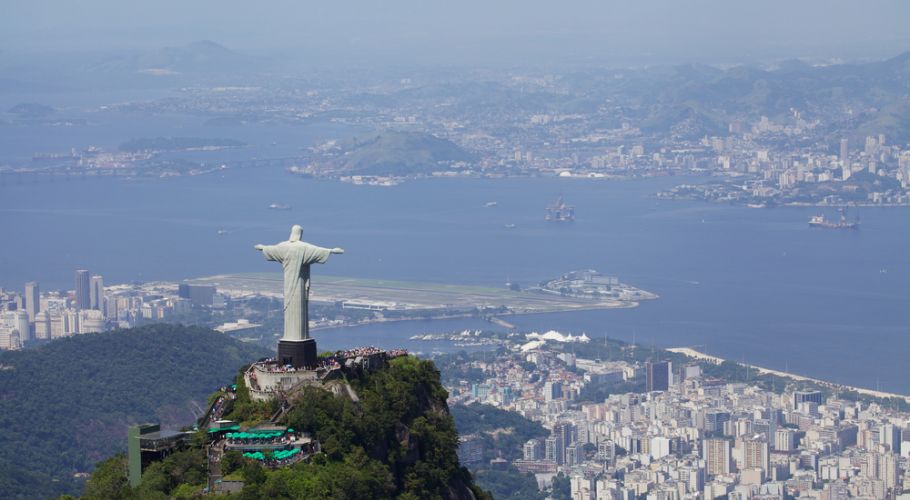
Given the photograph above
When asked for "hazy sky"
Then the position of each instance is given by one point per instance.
(467, 29)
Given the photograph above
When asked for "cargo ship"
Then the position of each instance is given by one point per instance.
(822, 222)
(560, 212)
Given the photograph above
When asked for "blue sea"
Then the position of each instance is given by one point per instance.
(753, 285)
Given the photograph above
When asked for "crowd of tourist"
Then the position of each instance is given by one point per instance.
(220, 406)
(334, 361)
(340, 357)
(394, 353)
(358, 352)
(271, 365)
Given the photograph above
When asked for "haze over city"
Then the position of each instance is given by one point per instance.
(503, 33)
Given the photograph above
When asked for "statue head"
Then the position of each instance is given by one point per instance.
(296, 232)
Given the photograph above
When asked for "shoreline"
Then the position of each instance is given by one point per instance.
(692, 353)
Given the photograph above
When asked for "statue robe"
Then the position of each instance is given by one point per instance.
(295, 257)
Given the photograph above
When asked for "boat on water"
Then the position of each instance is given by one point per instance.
(490, 204)
(842, 223)
(279, 206)
(560, 212)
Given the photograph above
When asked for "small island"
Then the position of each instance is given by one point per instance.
(385, 158)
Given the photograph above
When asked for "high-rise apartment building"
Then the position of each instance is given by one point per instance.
(888, 469)
(533, 450)
(552, 390)
(718, 457)
(22, 324)
(658, 375)
(83, 294)
(785, 440)
(807, 397)
(890, 435)
(715, 420)
(96, 293)
(555, 449)
(42, 326)
(606, 451)
(32, 300)
(756, 454)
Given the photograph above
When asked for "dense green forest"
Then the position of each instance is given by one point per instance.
(397, 441)
(486, 420)
(398, 153)
(66, 405)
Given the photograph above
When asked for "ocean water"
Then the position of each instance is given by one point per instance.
(752, 285)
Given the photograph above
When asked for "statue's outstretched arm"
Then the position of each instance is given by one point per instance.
(337, 250)
(259, 247)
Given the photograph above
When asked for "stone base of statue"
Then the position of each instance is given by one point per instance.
(297, 353)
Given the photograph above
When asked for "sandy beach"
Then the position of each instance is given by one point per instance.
(692, 353)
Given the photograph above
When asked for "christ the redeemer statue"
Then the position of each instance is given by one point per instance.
(296, 347)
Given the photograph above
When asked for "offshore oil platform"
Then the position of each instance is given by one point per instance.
(560, 212)
(822, 221)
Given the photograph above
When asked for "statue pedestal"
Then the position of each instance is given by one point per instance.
(297, 353)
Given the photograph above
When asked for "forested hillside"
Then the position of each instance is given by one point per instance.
(66, 405)
(397, 440)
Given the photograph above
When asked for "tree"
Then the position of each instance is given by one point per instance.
(174, 365)
(231, 460)
(253, 473)
(109, 481)
(509, 484)
(562, 487)
(398, 440)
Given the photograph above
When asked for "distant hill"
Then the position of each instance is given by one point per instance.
(202, 57)
(397, 153)
(691, 101)
(66, 405)
(31, 110)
